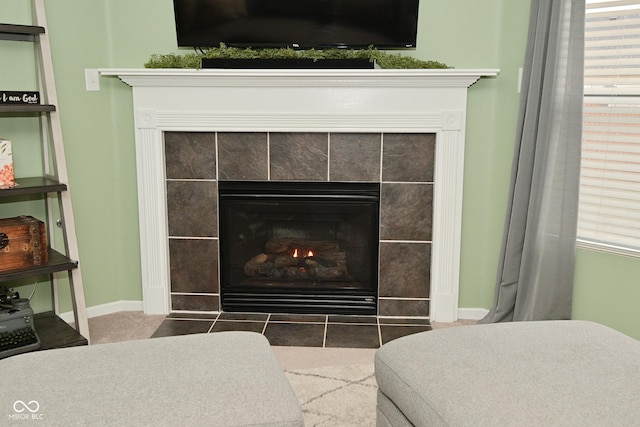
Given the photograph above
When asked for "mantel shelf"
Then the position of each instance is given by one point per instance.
(292, 77)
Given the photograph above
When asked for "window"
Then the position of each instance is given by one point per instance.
(609, 211)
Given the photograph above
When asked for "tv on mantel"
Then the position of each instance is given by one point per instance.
(297, 24)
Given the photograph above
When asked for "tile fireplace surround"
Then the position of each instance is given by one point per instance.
(250, 114)
(402, 163)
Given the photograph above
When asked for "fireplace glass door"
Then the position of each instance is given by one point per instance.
(299, 247)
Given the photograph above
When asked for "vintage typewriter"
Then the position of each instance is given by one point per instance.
(17, 332)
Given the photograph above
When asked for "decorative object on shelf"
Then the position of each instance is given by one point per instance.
(24, 243)
(382, 59)
(17, 330)
(7, 177)
(19, 97)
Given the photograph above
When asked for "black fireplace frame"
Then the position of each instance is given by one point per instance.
(285, 299)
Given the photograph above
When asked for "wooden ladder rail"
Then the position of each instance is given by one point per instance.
(53, 129)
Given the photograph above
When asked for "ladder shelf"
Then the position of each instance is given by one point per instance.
(53, 185)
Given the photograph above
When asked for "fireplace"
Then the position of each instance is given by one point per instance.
(299, 247)
(336, 101)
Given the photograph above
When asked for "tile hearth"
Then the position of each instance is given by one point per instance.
(298, 329)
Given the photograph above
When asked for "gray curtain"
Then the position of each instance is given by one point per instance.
(535, 272)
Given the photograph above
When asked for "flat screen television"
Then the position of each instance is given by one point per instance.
(297, 24)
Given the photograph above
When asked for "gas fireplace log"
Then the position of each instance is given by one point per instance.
(284, 244)
(285, 260)
(330, 273)
(265, 269)
(259, 265)
(318, 270)
(258, 259)
(324, 266)
(330, 259)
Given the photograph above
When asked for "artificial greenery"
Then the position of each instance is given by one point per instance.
(383, 59)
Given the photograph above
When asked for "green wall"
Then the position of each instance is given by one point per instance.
(607, 290)
(488, 35)
(99, 139)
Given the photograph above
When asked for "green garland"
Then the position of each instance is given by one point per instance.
(383, 59)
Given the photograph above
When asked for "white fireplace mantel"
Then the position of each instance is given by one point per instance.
(420, 101)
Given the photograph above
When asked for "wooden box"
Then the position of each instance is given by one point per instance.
(23, 243)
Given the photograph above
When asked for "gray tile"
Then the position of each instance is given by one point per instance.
(355, 157)
(352, 319)
(299, 156)
(190, 155)
(194, 265)
(403, 307)
(231, 325)
(298, 318)
(390, 333)
(406, 212)
(243, 156)
(404, 321)
(405, 270)
(352, 336)
(193, 316)
(408, 157)
(227, 315)
(295, 334)
(195, 302)
(171, 327)
(192, 208)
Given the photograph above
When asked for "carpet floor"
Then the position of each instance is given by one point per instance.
(340, 396)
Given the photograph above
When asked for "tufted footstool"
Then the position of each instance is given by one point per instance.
(553, 373)
(218, 379)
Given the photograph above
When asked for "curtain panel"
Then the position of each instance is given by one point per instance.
(536, 265)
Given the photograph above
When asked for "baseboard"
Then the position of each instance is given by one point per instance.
(103, 309)
(472, 313)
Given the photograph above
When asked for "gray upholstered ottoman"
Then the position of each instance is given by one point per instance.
(219, 379)
(555, 373)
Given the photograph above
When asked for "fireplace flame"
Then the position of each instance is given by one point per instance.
(296, 253)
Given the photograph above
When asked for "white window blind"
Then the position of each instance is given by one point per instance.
(609, 212)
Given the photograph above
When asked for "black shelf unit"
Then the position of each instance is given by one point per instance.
(26, 108)
(20, 32)
(33, 185)
(57, 262)
(53, 331)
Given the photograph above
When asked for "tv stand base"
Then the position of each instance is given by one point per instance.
(302, 63)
